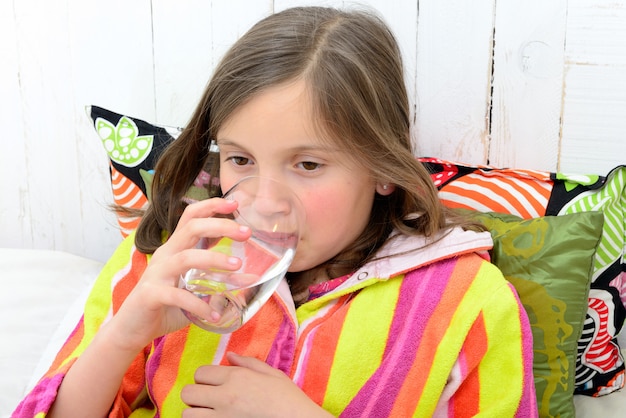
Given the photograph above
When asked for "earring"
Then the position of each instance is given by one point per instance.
(385, 186)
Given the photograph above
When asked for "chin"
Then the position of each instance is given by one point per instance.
(298, 265)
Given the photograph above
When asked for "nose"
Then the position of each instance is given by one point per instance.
(273, 199)
(267, 205)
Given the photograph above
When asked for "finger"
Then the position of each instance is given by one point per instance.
(207, 208)
(252, 363)
(187, 301)
(204, 209)
(198, 413)
(188, 235)
(196, 395)
(212, 375)
(204, 260)
(168, 272)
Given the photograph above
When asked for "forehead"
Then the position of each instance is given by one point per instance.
(277, 113)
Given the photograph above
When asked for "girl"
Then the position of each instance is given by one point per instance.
(389, 307)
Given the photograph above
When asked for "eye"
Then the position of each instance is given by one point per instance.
(309, 165)
(237, 160)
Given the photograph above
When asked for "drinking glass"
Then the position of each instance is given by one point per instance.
(274, 214)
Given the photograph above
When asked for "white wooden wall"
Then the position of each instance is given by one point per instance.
(519, 83)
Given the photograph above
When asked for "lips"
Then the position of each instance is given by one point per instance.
(282, 239)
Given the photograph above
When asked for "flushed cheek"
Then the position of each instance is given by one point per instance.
(324, 211)
(326, 232)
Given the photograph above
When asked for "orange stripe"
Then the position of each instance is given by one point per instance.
(486, 182)
(170, 364)
(459, 282)
(477, 196)
(123, 288)
(134, 199)
(514, 184)
(68, 348)
(126, 227)
(261, 327)
(129, 195)
(467, 398)
(126, 191)
(133, 382)
(119, 181)
(457, 205)
(322, 347)
(537, 198)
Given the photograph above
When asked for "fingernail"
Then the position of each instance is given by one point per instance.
(233, 260)
(244, 228)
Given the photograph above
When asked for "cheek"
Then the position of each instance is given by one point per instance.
(324, 209)
(227, 180)
(315, 209)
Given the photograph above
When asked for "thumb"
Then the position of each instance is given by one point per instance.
(251, 363)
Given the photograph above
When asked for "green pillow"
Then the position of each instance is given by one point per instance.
(549, 260)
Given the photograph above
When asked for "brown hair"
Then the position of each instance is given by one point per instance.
(351, 63)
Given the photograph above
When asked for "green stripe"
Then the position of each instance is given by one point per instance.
(609, 199)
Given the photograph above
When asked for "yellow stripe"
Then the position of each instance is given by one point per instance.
(502, 324)
(191, 359)
(311, 309)
(102, 291)
(143, 413)
(371, 313)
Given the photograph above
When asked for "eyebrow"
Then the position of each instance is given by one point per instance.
(302, 148)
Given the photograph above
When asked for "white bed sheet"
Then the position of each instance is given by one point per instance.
(42, 295)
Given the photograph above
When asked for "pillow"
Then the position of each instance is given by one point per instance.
(133, 147)
(548, 261)
(532, 193)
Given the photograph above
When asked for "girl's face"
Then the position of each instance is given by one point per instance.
(273, 135)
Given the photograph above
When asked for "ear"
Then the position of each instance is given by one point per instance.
(385, 189)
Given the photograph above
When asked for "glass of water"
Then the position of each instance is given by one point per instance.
(274, 214)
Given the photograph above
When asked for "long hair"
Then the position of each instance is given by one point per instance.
(352, 66)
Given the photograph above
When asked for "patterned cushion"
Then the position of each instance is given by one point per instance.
(529, 194)
(553, 287)
(133, 147)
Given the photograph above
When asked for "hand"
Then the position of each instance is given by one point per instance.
(153, 308)
(246, 388)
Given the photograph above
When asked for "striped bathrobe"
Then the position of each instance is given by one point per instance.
(432, 332)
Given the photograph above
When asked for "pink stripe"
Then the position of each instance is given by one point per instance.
(528, 402)
(41, 397)
(419, 295)
(303, 360)
(462, 371)
(283, 349)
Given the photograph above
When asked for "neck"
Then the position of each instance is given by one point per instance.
(299, 283)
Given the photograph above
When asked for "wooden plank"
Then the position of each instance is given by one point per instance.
(111, 65)
(64, 63)
(44, 89)
(112, 55)
(454, 47)
(15, 212)
(181, 73)
(527, 83)
(231, 20)
(594, 114)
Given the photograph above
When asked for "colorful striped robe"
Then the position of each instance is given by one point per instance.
(435, 331)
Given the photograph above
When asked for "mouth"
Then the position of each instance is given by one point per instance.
(282, 239)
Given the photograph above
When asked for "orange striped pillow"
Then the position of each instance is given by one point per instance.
(524, 193)
(133, 147)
